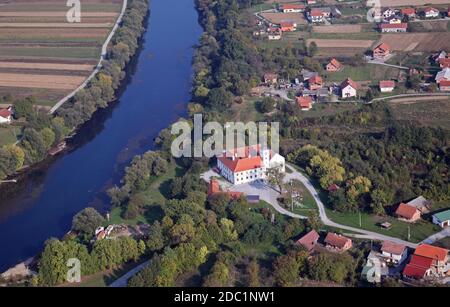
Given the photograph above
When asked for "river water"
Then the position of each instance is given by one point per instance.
(44, 202)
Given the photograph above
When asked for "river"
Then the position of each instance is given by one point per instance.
(155, 95)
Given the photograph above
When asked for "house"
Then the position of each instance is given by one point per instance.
(6, 115)
(274, 34)
(305, 103)
(387, 86)
(316, 15)
(442, 218)
(308, 74)
(393, 27)
(393, 252)
(270, 78)
(348, 88)
(292, 8)
(334, 65)
(443, 75)
(387, 13)
(394, 20)
(248, 164)
(421, 203)
(431, 12)
(326, 11)
(288, 26)
(439, 56)
(309, 2)
(407, 213)
(337, 242)
(444, 86)
(315, 83)
(410, 12)
(309, 240)
(427, 260)
(375, 268)
(382, 51)
(214, 189)
(444, 62)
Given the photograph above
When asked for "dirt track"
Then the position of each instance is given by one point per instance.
(338, 29)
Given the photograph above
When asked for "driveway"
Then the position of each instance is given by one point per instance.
(122, 281)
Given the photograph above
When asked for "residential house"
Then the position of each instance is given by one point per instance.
(248, 164)
(308, 74)
(348, 88)
(393, 252)
(326, 11)
(6, 115)
(410, 12)
(439, 56)
(274, 34)
(444, 86)
(375, 268)
(270, 78)
(443, 75)
(288, 26)
(431, 12)
(304, 102)
(309, 240)
(316, 15)
(315, 83)
(407, 213)
(309, 2)
(387, 86)
(382, 51)
(334, 65)
(387, 13)
(393, 27)
(442, 218)
(292, 8)
(215, 189)
(421, 203)
(444, 62)
(427, 261)
(337, 242)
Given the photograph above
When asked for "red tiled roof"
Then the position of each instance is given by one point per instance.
(213, 187)
(387, 84)
(430, 9)
(393, 248)
(286, 24)
(406, 211)
(316, 12)
(383, 47)
(417, 267)
(245, 159)
(304, 101)
(394, 26)
(336, 240)
(315, 80)
(431, 252)
(309, 240)
(349, 82)
(288, 6)
(5, 113)
(444, 83)
(408, 11)
(335, 63)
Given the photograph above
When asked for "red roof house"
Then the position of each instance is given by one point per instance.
(427, 260)
(394, 27)
(288, 26)
(433, 252)
(382, 51)
(309, 240)
(387, 86)
(304, 102)
(418, 267)
(410, 12)
(337, 242)
(315, 83)
(408, 213)
(5, 116)
(334, 65)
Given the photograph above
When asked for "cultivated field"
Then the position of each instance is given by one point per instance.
(43, 55)
(277, 18)
(338, 29)
(426, 42)
(387, 3)
(341, 43)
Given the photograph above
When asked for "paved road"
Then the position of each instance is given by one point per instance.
(100, 62)
(408, 95)
(123, 280)
(437, 236)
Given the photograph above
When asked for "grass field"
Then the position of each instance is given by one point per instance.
(367, 72)
(8, 134)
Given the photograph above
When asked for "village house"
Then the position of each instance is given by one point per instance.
(421, 203)
(443, 75)
(444, 62)
(274, 34)
(337, 242)
(316, 15)
(248, 164)
(382, 51)
(431, 12)
(444, 86)
(410, 12)
(387, 13)
(387, 86)
(270, 78)
(348, 88)
(288, 26)
(334, 65)
(393, 27)
(315, 83)
(292, 8)
(305, 103)
(309, 2)
(427, 261)
(442, 219)
(309, 240)
(6, 115)
(407, 213)
(368, 272)
(393, 252)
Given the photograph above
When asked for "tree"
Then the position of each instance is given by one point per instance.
(266, 105)
(87, 221)
(253, 273)
(313, 49)
(287, 268)
(219, 276)
(275, 177)
(156, 238)
(49, 137)
(379, 200)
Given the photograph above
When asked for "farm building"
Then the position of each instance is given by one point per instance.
(292, 8)
(387, 86)
(382, 51)
(6, 115)
(431, 12)
(348, 88)
(442, 218)
(407, 213)
(304, 102)
(393, 252)
(309, 240)
(337, 242)
(393, 27)
(334, 65)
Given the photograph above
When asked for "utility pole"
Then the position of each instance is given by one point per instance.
(360, 221)
(409, 233)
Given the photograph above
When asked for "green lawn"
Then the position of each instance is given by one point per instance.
(368, 72)
(55, 52)
(8, 134)
(355, 36)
